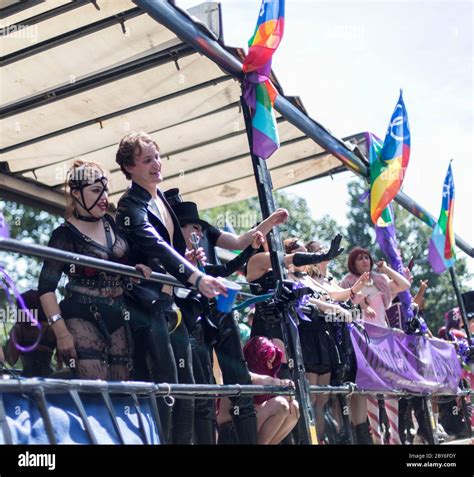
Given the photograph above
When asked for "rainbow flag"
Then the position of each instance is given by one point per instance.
(259, 92)
(385, 233)
(387, 170)
(442, 254)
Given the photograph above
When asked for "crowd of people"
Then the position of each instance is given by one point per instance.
(110, 327)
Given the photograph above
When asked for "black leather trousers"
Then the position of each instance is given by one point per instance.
(163, 354)
(219, 331)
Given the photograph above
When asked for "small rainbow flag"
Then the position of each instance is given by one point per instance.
(442, 254)
(387, 171)
(259, 92)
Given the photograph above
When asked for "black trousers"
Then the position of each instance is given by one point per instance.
(219, 331)
(205, 421)
(165, 357)
(234, 371)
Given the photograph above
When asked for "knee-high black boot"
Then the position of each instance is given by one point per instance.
(183, 412)
(362, 434)
(234, 371)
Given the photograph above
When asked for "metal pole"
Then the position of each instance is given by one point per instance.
(433, 436)
(12, 245)
(454, 279)
(289, 330)
(183, 26)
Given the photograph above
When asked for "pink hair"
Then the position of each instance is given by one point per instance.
(258, 351)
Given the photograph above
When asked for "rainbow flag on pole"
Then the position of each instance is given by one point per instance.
(259, 92)
(385, 233)
(387, 171)
(442, 254)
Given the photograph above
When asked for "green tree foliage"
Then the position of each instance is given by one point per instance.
(28, 225)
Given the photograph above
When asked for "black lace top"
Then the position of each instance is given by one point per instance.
(85, 280)
(263, 284)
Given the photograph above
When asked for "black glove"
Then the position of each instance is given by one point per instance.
(302, 258)
(334, 249)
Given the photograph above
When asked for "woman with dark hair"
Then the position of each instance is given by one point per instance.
(320, 350)
(267, 323)
(344, 366)
(91, 323)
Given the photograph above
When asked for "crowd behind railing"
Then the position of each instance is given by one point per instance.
(111, 327)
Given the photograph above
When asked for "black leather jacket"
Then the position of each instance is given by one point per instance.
(149, 238)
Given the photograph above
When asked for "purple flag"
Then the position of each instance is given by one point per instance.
(396, 361)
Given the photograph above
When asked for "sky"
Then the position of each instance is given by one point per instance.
(347, 61)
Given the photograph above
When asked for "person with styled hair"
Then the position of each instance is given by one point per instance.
(91, 322)
(147, 220)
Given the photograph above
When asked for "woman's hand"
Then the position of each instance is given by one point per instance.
(280, 216)
(196, 257)
(360, 283)
(370, 312)
(381, 266)
(210, 287)
(2, 356)
(257, 240)
(66, 350)
(334, 249)
(286, 382)
(423, 285)
(146, 271)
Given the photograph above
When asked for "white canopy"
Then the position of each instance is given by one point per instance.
(77, 76)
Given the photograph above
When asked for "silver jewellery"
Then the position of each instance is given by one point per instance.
(53, 319)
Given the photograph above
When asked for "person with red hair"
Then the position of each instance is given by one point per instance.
(276, 415)
(375, 297)
(379, 291)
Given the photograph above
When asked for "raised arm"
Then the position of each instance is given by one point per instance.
(398, 283)
(240, 242)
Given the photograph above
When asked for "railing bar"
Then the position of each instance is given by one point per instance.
(82, 412)
(113, 417)
(7, 435)
(40, 398)
(140, 418)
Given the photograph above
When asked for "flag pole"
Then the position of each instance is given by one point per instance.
(308, 433)
(462, 308)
